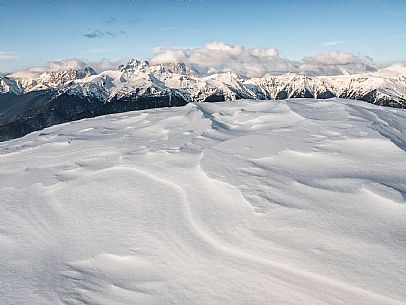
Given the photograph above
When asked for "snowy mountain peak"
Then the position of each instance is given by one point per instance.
(88, 71)
(9, 85)
(178, 68)
(53, 79)
(134, 65)
(142, 79)
(63, 76)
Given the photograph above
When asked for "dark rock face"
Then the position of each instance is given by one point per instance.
(139, 103)
(44, 110)
(22, 114)
(281, 95)
(325, 95)
(89, 71)
(300, 94)
(307, 94)
(215, 98)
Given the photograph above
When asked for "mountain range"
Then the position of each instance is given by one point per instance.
(28, 104)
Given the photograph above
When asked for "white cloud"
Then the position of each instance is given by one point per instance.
(58, 65)
(332, 43)
(219, 56)
(252, 62)
(7, 55)
(106, 64)
(394, 69)
(335, 63)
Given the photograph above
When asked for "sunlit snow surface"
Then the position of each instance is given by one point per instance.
(289, 202)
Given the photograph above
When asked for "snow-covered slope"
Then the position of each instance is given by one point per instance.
(9, 85)
(140, 79)
(286, 202)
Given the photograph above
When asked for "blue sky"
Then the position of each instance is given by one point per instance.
(35, 32)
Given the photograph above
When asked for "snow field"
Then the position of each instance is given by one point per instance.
(288, 202)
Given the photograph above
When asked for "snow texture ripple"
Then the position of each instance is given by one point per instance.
(271, 202)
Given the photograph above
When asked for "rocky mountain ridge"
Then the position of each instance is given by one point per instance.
(141, 79)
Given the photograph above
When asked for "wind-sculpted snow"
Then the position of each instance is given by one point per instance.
(283, 202)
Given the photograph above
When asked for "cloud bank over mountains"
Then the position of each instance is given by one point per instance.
(336, 63)
(221, 57)
(65, 64)
(255, 62)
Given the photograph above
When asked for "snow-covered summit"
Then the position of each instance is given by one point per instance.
(9, 85)
(134, 65)
(51, 79)
(140, 78)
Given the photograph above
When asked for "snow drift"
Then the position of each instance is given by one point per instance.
(287, 202)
